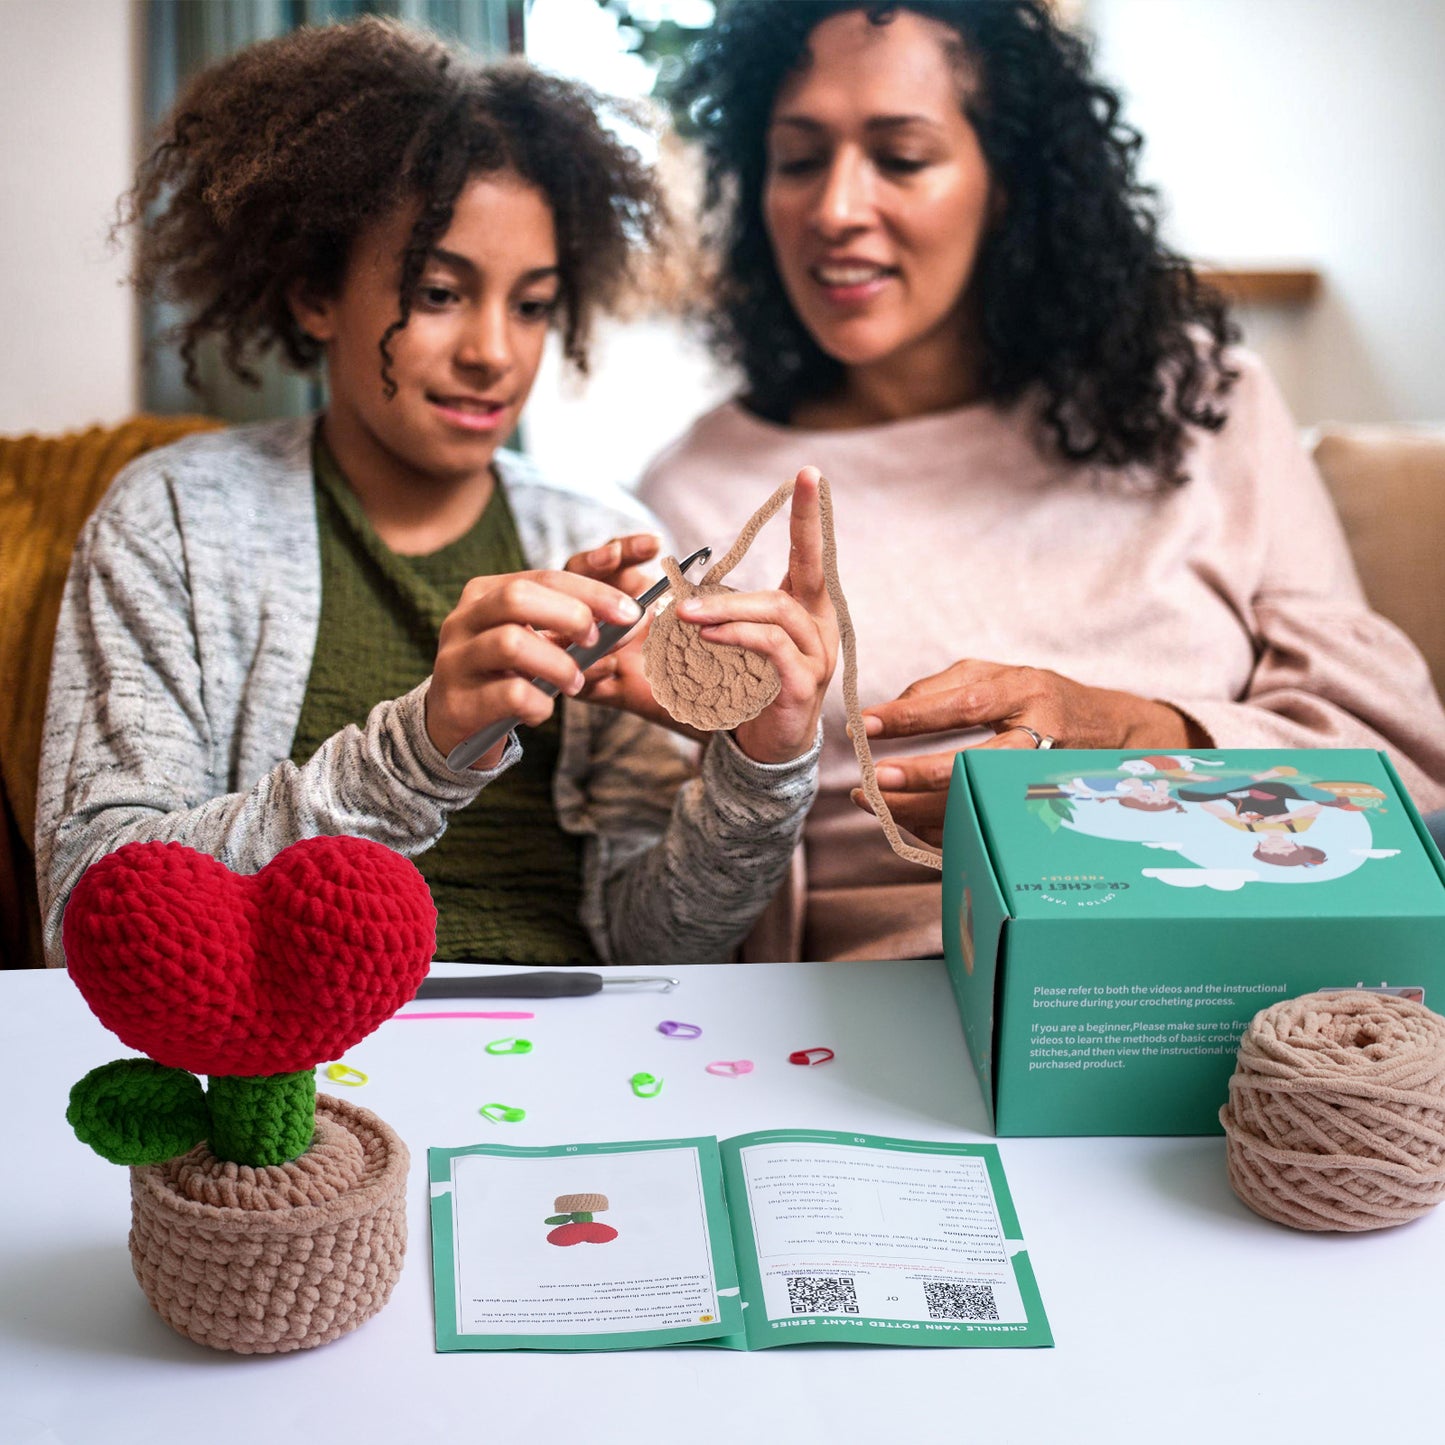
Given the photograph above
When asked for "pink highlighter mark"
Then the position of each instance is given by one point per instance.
(465, 1014)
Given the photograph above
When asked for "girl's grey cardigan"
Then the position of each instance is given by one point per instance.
(181, 659)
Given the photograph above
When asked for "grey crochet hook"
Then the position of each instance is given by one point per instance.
(551, 983)
(609, 634)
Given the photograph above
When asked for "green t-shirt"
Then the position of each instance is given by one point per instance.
(505, 877)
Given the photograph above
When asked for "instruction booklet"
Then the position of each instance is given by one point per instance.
(785, 1237)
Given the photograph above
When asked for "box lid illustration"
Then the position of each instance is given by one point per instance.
(1228, 833)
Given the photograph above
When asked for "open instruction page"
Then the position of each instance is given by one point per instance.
(779, 1238)
(581, 1247)
(853, 1238)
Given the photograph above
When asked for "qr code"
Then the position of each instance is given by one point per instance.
(948, 1300)
(821, 1294)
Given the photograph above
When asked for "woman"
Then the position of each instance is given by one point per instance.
(278, 631)
(1068, 514)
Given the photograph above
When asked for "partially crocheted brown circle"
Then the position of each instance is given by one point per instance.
(286, 1257)
(1336, 1112)
(709, 685)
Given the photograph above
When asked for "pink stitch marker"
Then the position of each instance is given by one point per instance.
(730, 1068)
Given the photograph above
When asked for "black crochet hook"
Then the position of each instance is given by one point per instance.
(568, 983)
(609, 634)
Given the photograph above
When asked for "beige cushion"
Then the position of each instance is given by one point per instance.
(1389, 486)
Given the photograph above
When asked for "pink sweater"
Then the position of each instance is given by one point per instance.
(1233, 598)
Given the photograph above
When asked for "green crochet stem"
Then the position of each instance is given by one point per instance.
(261, 1121)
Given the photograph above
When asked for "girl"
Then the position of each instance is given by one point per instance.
(281, 630)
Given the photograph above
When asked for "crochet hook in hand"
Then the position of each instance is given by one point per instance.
(568, 983)
(609, 634)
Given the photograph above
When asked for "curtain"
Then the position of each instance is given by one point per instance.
(183, 37)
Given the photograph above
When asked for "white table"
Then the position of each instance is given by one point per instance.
(1178, 1315)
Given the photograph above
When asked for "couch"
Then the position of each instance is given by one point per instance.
(1388, 483)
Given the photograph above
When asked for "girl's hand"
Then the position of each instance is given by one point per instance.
(793, 627)
(1007, 699)
(504, 632)
(618, 680)
(620, 563)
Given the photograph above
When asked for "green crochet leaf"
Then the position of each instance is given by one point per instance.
(558, 1219)
(134, 1111)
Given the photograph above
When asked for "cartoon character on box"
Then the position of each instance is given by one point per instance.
(1146, 795)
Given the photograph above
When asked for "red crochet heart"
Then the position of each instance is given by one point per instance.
(204, 969)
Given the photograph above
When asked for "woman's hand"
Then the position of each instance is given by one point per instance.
(792, 626)
(504, 632)
(1009, 700)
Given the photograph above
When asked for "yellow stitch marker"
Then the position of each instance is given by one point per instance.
(345, 1074)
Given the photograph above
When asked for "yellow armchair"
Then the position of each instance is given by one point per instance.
(48, 487)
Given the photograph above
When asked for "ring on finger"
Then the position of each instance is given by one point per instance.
(1042, 741)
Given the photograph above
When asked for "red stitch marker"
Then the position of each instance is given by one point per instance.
(805, 1056)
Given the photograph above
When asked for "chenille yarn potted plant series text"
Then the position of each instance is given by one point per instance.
(264, 1217)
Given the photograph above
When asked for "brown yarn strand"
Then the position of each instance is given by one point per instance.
(1336, 1112)
(663, 658)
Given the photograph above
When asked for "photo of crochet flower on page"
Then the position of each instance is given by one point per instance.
(265, 1218)
(576, 1222)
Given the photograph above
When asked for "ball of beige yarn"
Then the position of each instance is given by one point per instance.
(1336, 1112)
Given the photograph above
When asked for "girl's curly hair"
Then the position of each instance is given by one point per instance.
(275, 160)
(1077, 294)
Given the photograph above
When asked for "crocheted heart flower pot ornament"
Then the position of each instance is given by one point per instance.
(264, 1218)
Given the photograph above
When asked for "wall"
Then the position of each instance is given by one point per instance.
(1280, 130)
(1310, 131)
(68, 101)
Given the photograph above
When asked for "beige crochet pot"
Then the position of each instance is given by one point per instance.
(277, 1258)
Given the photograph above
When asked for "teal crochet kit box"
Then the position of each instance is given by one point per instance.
(1113, 921)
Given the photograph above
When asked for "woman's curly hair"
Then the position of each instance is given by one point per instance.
(1077, 294)
(275, 160)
